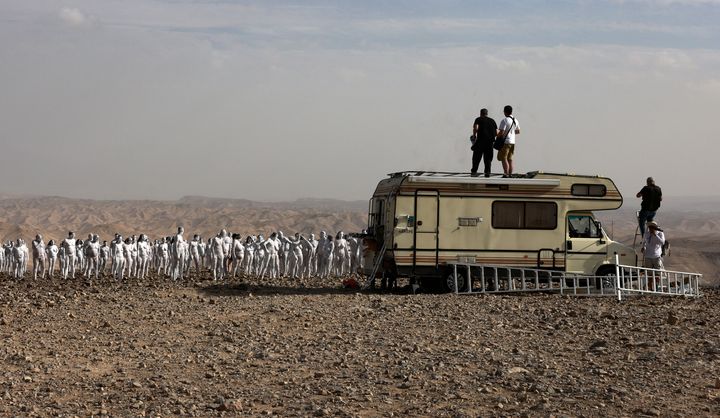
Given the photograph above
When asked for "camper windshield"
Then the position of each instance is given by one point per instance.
(583, 226)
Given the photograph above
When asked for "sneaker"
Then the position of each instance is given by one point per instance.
(505, 176)
(473, 174)
(487, 174)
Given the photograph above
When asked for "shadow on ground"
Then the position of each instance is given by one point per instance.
(273, 289)
(247, 289)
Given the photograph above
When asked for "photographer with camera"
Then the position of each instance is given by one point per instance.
(652, 247)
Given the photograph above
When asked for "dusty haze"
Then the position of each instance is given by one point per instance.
(280, 100)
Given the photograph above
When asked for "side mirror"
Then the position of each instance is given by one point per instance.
(598, 224)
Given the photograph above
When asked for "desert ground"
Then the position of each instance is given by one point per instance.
(282, 347)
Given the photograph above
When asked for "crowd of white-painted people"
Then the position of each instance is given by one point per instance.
(225, 255)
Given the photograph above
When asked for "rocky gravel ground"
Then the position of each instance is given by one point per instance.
(289, 348)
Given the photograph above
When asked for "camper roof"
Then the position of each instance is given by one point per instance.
(459, 175)
(484, 180)
(528, 179)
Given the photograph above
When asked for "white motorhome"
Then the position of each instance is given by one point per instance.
(419, 221)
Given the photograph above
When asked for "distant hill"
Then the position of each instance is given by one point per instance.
(305, 203)
(694, 236)
(689, 203)
(54, 216)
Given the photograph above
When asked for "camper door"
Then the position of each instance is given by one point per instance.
(585, 244)
(416, 227)
(426, 223)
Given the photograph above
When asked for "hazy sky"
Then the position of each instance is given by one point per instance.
(274, 100)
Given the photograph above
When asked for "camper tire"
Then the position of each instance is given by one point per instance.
(607, 274)
(449, 281)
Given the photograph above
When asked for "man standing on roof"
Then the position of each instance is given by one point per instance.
(651, 198)
(484, 131)
(509, 127)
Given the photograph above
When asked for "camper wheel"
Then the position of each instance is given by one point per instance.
(606, 274)
(450, 280)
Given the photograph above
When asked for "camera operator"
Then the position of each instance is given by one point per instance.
(653, 242)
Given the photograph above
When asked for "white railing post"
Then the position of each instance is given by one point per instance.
(617, 277)
(469, 281)
(455, 277)
(496, 279)
(482, 279)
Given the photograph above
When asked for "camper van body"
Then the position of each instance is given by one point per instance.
(539, 220)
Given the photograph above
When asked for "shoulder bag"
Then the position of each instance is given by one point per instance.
(500, 139)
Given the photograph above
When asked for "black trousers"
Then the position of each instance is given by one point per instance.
(478, 154)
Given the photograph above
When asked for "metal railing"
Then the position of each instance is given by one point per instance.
(643, 280)
(474, 278)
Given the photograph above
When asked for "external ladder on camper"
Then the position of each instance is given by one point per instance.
(637, 230)
(376, 266)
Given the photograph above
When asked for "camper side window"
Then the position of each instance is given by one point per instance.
(595, 190)
(376, 213)
(524, 215)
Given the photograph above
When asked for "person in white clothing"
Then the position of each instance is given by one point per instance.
(271, 263)
(238, 253)
(178, 254)
(217, 255)
(144, 249)
(652, 247)
(294, 255)
(508, 128)
(8, 257)
(69, 244)
(92, 255)
(62, 256)
(202, 250)
(80, 255)
(195, 253)
(52, 255)
(39, 257)
(308, 252)
(249, 256)
(20, 256)
(163, 256)
(127, 251)
(341, 260)
(118, 261)
(104, 257)
(115, 242)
